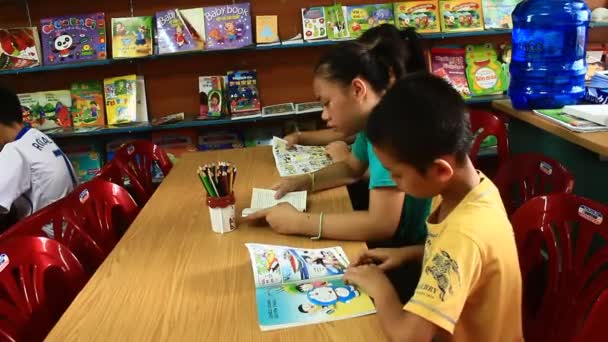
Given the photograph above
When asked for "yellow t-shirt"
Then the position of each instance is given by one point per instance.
(471, 283)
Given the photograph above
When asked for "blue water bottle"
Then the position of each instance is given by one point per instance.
(548, 64)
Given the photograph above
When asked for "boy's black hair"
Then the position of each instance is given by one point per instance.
(421, 118)
(378, 55)
(10, 108)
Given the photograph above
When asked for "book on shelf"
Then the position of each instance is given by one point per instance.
(449, 64)
(228, 26)
(47, 110)
(497, 13)
(295, 40)
(73, 38)
(279, 110)
(88, 107)
(168, 119)
(212, 97)
(460, 15)
(421, 15)
(121, 99)
(180, 30)
(296, 286)
(308, 107)
(337, 27)
(243, 97)
(132, 37)
(314, 23)
(266, 29)
(361, 18)
(19, 48)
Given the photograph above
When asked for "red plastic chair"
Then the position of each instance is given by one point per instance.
(39, 278)
(105, 210)
(135, 160)
(528, 175)
(563, 286)
(55, 223)
(483, 125)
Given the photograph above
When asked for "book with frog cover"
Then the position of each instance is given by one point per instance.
(296, 286)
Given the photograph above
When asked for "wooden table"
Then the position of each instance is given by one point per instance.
(171, 278)
(596, 142)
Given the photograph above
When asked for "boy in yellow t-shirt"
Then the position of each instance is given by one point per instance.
(470, 288)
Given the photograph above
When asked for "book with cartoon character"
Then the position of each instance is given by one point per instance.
(73, 38)
(228, 26)
(361, 18)
(180, 30)
(121, 99)
(19, 48)
(87, 104)
(298, 159)
(297, 286)
(132, 37)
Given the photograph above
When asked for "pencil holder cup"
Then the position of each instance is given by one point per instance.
(222, 213)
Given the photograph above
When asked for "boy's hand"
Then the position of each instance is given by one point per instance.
(292, 139)
(385, 258)
(289, 184)
(282, 218)
(338, 151)
(370, 278)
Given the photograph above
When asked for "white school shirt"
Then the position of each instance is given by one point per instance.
(34, 173)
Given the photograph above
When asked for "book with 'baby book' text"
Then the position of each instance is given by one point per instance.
(297, 286)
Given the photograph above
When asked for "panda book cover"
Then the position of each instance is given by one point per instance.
(73, 38)
(297, 286)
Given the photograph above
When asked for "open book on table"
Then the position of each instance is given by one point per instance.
(264, 198)
(303, 286)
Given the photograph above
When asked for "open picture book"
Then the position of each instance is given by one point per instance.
(264, 198)
(303, 286)
(299, 159)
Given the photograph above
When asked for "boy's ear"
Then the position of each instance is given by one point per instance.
(442, 170)
(359, 87)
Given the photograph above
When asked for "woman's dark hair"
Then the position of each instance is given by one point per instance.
(381, 55)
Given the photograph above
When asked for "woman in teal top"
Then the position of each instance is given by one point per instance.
(349, 81)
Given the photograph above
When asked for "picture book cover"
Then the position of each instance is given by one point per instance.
(460, 15)
(308, 107)
(132, 37)
(297, 286)
(228, 26)
(243, 94)
(266, 29)
(19, 48)
(30, 108)
(497, 13)
(336, 22)
(87, 104)
(313, 23)
(180, 30)
(361, 18)
(86, 161)
(212, 99)
(279, 109)
(449, 64)
(121, 99)
(298, 159)
(421, 15)
(55, 109)
(485, 73)
(73, 38)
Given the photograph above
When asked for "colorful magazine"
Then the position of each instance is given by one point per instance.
(297, 287)
(87, 104)
(73, 38)
(336, 22)
(228, 26)
(121, 99)
(449, 64)
(243, 97)
(421, 15)
(299, 159)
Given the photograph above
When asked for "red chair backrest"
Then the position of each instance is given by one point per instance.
(528, 175)
(134, 160)
(483, 125)
(561, 287)
(104, 209)
(55, 223)
(39, 278)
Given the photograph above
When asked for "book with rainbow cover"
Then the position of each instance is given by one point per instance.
(297, 287)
